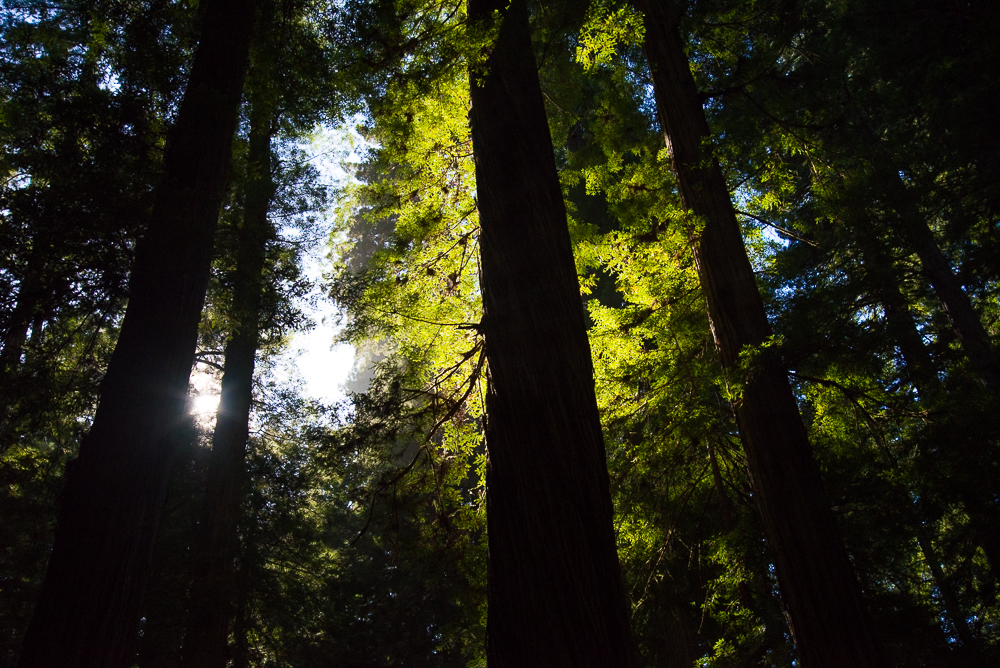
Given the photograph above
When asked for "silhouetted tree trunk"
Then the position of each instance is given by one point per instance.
(555, 590)
(206, 644)
(87, 614)
(953, 609)
(883, 281)
(14, 337)
(828, 619)
(903, 330)
(912, 227)
(965, 321)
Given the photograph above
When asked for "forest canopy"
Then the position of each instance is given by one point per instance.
(676, 327)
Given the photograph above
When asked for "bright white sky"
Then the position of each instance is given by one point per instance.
(313, 356)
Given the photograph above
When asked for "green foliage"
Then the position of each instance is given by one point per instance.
(363, 540)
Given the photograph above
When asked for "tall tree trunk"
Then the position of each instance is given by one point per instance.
(206, 643)
(241, 628)
(879, 270)
(953, 609)
(903, 329)
(828, 619)
(911, 225)
(87, 614)
(15, 336)
(555, 590)
(965, 321)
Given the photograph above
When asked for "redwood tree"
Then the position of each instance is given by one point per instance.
(88, 611)
(213, 590)
(829, 622)
(555, 590)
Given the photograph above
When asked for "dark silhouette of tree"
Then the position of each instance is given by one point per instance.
(213, 595)
(555, 589)
(88, 611)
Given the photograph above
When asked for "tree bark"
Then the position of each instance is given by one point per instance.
(965, 321)
(206, 644)
(555, 590)
(88, 612)
(15, 336)
(828, 619)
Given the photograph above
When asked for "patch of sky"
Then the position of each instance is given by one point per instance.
(316, 356)
(314, 361)
(110, 81)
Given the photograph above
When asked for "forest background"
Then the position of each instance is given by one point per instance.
(860, 147)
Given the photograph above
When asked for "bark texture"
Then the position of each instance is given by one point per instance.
(828, 619)
(206, 644)
(555, 590)
(88, 612)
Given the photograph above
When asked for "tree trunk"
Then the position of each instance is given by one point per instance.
(953, 610)
(15, 336)
(206, 642)
(828, 619)
(965, 321)
(912, 227)
(555, 590)
(88, 612)
(879, 271)
(903, 329)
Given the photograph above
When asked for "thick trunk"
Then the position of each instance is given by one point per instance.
(87, 614)
(678, 634)
(555, 589)
(206, 643)
(828, 618)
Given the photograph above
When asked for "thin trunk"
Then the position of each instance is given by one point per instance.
(912, 227)
(16, 333)
(828, 619)
(555, 589)
(964, 319)
(879, 271)
(984, 518)
(902, 327)
(953, 610)
(15, 336)
(241, 627)
(725, 505)
(206, 643)
(88, 612)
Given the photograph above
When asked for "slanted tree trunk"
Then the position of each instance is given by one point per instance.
(903, 330)
(88, 612)
(912, 227)
(555, 590)
(881, 278)
(953, 609)
(965, 321)
(828, 619)
(206, 643)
